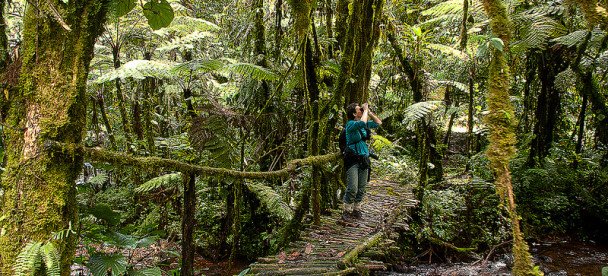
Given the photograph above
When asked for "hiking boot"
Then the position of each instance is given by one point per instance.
(357, 214)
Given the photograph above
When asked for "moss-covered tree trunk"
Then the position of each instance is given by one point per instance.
(357, 42)
(500, 121)
(39, 186)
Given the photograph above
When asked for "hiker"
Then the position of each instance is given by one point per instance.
(356, 156)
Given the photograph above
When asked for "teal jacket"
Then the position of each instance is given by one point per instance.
(353, 136)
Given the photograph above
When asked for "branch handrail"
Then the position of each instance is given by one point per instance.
(117, 158)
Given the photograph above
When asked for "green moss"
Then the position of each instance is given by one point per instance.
(39, 187)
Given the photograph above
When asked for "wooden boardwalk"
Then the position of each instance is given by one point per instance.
(332, 247)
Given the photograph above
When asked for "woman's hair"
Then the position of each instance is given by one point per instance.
(350, 110)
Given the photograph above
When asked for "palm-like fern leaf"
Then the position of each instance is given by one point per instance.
(571, 39)
(250, 70)
(417, 111)
(163, 182)
(459, 85)
(100, 263)
(449, 51)
(273, 202)
(443, 8)
(450, 11)
(186, 42)
(212, 134)
(187, 24)
(199, 66)
(535, 30)
(138, 69)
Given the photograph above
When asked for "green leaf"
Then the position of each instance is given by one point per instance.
(245, 271)
(605, 271)
(497, 43)
(99, 264)
(123, 7)
(29, 260)
(167, 181)
(159, 13)
(272, 200)
(105, 212)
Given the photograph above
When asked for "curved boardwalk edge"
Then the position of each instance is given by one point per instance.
(332, 247)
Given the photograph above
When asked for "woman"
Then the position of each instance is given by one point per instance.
(357, 129)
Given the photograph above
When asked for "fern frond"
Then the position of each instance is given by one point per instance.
(29, 259)
(190, 24)
(50, 255)
(271, 200)
(571, 39)
(172, 180)
(443, 8)
(448, 50)
(250, 70)
(186, 42)
(198, 66)
(458, 85)
(417, 111)
(138, 69)
(100, 263)
(535, 30)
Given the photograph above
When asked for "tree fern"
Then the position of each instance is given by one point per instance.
(198, 66)
(212, 133)
(535, 30)
(249, 70)
(271, 200)
(186, 42)
(571, 39)
(167, 181)
(187, 24)
(415, 112)
(449, 51)
(138, 69)
(458, 85)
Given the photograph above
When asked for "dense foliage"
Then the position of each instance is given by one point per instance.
(251, 85)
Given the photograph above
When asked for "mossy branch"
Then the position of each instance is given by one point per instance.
(117, 158)
(350, 257)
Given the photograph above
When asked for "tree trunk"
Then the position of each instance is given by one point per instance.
(188, 223)
(358, 45)
(548, 104)
(104, 118)
(500, 121)
(4, 48)
(39, 186)
(581, 125)
(120, 97)
(329, 14)
(278, 30)
(312, 90)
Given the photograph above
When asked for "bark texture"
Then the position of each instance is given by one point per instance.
(39, 186)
